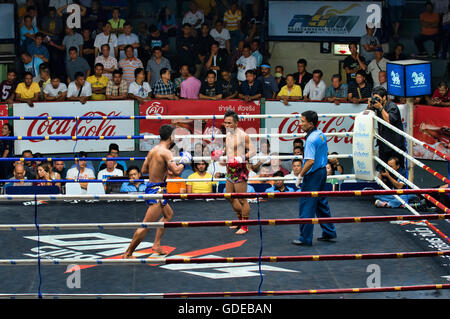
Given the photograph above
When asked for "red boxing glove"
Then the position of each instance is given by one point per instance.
(236, 161)
(216, 154)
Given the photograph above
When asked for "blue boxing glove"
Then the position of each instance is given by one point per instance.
(185, 158)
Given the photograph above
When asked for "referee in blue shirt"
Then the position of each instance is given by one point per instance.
(314, 176)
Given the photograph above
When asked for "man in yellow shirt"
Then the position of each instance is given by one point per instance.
(27, 91)
(290, 91)
(98, 82)
(200, 173)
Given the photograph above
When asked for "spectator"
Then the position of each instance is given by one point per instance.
(316, 88)
(19, 174)
(353, 63)
(81, 172)
(157, 39)
(59, 168)
(44, 77)
(278, 185)
(167, 22)
(184, 73)
(379, 63)
(37, 49)
(269, 84)
(302, 76)
(382, 78)
(236, 54)
(128, 38)
(52, 24)
(275, 164)
(228, 85)
(94, 16)
(71, 40)
(27, 91)
(397, 54)
(200, 169)
(31, 63)
(154, 66)
(175, 187)
(335, 165)
(43, 171)
(389, 201)
(290, 91)
(113, 150)
(256, 53)
(98, 83)
(6, 150)
(139, 90)
(133, 173)
(208, 7)
(361, 91)
(232, 19)
(55, 90)
(261, 157)
(369, 43)
(203, 43)
(446, 34)
(130, 64)
(255, 17)
(8, 86)
(429, 22)
(216, 60)
(194, 16)
(106, 37)
(185, 46)
(296, 169)
(109, 62)
(441, 96)
(395, 8)
(109, 170)
(117, 24)
(88, 51)
(30, 171)
(298, 142)
(221, 35)
(76, 64)
(117, 88)
(264, 172)
(27, 31)
(281, 80)
(210, 89)
(338, 91)
(250, 89)
(245, 63)
(144, 39)
(190, 87)
(79, 90)
(164, 88)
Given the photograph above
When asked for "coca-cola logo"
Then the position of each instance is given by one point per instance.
(155, 109)
(73, 127)
(329, 125)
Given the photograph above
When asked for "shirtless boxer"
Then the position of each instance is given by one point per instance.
(238, 150)
(158, 161)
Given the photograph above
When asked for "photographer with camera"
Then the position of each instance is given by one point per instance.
(389, 112)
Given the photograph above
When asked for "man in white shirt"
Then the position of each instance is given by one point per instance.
(110, 170)
(194, 16)
(221, 35)
(316, 88)
(106, 37)
(80, 171)
(296, 169)
(55, 90)
(139, 90)
(246, 62)
(128, 38)
(379, 63)
(80, 89)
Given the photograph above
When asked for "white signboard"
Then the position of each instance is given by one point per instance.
(102, 127)
(363, 146)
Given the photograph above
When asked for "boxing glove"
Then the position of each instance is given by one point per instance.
(216, 154)
(236, 161)
(185, 158)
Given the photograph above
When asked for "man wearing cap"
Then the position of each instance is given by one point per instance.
(378, 64)
(269, 83)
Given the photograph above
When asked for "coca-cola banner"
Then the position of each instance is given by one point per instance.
(188, 126)
(342, 145)
(432, 126)
(3, 112)
(73, 127)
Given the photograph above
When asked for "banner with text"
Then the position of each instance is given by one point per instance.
(188, 126)
(74, 127)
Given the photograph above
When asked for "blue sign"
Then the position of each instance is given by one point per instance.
(395, 79)
(409, 78)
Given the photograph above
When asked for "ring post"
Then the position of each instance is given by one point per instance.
(363, 138)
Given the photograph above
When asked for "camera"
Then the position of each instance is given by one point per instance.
(374, 100)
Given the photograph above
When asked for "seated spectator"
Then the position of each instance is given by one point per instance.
(106, 37)
(441, 96)
(338, 91)
(185, 45)
(278, 185)
(109, 62)
(79, 90)
(210, 89)
(117, 88)
(397, 54)
(167, 22)
(290, 91)
(27, 31)
(222, 36)
(296, 169)
(6, 150)
(27, 91)
(316, 88)
(43, 171)
(269, 84)
(98, 83)
(133, 173)
(129, 64)
(157, 39)
(298, 142)
(164, 88)
(175, 187)
(353, 63)
(109, 170)
(261, 157)
(335, 165)
(44, 77)
(216, 60)
(154, 66)
(200, 169)
(31, 63)
(76, 64)
(302, 76)
(194, 16)
(264, 172)
(203, 43)
(184, 71)
(330, 172)
(361, 91)
(255, 52)
(18, 174)
(190, 87)
(8, 87)
(229, 86)
(37, 49)
(245, 63)
(275, 164)
(30, 167)
(389, 201)
(55, 90)
(235, 55)
(250, 89)
(379, 63)
(117, 24)
(429, 22)
(59, 167)
(281, 80)
(113, 150)
(287, 164)
(81, 172)
(139, 90)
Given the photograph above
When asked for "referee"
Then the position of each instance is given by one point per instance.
(314, 176)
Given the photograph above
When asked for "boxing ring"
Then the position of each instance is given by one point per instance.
(86, 234)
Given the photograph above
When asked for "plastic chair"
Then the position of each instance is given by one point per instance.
(95, 189)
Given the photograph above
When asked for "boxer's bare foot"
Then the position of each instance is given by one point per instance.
(158, 250)
(126, 256)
